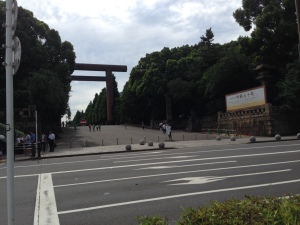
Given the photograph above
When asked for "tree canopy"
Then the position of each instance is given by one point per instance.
(43, 78)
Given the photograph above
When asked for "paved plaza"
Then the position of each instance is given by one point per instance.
(114, 138)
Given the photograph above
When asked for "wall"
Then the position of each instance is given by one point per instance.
(265, 120)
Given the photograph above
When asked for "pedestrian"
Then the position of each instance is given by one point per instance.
(93, 127)
(90, 127)
(164, 128)
(168, 131)
(160, 126)
(27, 144)
(33, 143)
(51, 138)
(43, 142)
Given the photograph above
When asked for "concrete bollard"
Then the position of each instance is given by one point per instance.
(298, 135)
(142, 142)
(218, 138)
(150, 143)
(277, 137)
(252, 139)
(232, 138)
(128, 147)
(161, 145)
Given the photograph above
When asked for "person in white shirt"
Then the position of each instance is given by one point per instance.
(51, 138)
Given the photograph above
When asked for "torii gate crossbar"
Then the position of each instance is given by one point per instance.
(108, 78)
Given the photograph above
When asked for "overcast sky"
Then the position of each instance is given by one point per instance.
(122, 31)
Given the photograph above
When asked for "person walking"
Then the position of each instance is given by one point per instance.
(27, 145)
(51, 138)
(169, 131)
(32, 142)
(43, 142)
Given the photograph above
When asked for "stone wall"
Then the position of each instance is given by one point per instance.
(265, 120)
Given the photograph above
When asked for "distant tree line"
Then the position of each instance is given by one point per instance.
(187, 80)
(194, 80)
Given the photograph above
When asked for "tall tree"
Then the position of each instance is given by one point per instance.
(46, 62)
(273, 30)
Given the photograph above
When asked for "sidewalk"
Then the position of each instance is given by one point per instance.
(82, 135)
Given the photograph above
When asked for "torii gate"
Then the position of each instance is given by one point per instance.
(108, 78)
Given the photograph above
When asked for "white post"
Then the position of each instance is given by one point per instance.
(36, 134)
(9, 115)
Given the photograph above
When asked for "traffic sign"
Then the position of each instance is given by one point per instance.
(14, 16)
(16, 54)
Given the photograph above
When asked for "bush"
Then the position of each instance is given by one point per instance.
(249, 211)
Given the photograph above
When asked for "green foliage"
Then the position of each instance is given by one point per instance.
(274, 36)
(208, 38)
(290, 88)
(43, 78)
(78, 116)
(156, 220)
(198, 77)
(249, 211)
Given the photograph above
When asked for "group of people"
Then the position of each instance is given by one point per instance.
(166, 129)
(28, 142)
(98, 127)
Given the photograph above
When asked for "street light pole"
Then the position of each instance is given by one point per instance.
(9, 113)
(297, 5)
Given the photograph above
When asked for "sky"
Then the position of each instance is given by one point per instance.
(121, 32)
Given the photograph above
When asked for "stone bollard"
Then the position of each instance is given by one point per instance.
(232, 138)
(150, 143)
(252, 139)
(218, 138)
(142, 142)
(128, 147)
(298, 135)
(161, 145)
(277, 137)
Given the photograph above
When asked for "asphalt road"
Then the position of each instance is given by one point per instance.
(115, 188)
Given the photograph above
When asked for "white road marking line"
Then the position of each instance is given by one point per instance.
(139, 160)
(28, 175)
(178, 196)
(207, 179)
(189, 165)
(139, 156)
(167, 174)
(45, 207)
(190, 160)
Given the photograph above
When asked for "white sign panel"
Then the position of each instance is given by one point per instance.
(245, 99)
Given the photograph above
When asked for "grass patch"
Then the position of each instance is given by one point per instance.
(249, 211)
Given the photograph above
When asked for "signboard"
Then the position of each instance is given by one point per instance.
(83, 122)
(245, 99)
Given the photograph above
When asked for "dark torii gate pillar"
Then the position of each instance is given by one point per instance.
(108, 78)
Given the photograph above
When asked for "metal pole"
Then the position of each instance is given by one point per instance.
(9, 115)
(297, 5)
(36, 135)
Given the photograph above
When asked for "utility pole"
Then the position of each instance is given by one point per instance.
(297, 4)
(12, 61)
(9, 114)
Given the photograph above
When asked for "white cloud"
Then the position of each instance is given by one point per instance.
(122, 31)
